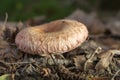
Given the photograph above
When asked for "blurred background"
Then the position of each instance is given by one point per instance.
(22, 10)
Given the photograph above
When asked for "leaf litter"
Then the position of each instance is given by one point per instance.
(96, 59)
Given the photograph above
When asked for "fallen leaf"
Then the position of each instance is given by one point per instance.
(106, 58)
(5, 77)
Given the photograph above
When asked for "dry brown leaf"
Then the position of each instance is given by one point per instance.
(79, 61)
(45, 72)
(114, 27)
(3, 44)
(106, 58)
(2, 29)
(95, 26)
(9, 30)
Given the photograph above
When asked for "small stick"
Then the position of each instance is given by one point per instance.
(43, 61)
(91, 57)
(6, 18)
(53, 58)
(115, 74)
(19, 63)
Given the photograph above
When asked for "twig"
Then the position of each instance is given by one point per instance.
(42, 61)
(19, 63)
(113, 78)
(117, 52)
(53, 58)
(91, 57)
(6, 18)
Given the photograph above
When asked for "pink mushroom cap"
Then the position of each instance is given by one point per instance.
(52, 38)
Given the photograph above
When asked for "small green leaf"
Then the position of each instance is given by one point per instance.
(5, 77)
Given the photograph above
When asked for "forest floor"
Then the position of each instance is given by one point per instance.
(98, 58)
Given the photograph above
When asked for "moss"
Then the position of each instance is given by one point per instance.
(25, 9)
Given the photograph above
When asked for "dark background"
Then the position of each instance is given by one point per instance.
(21, 10)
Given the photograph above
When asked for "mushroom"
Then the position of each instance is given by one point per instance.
(55, 37)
